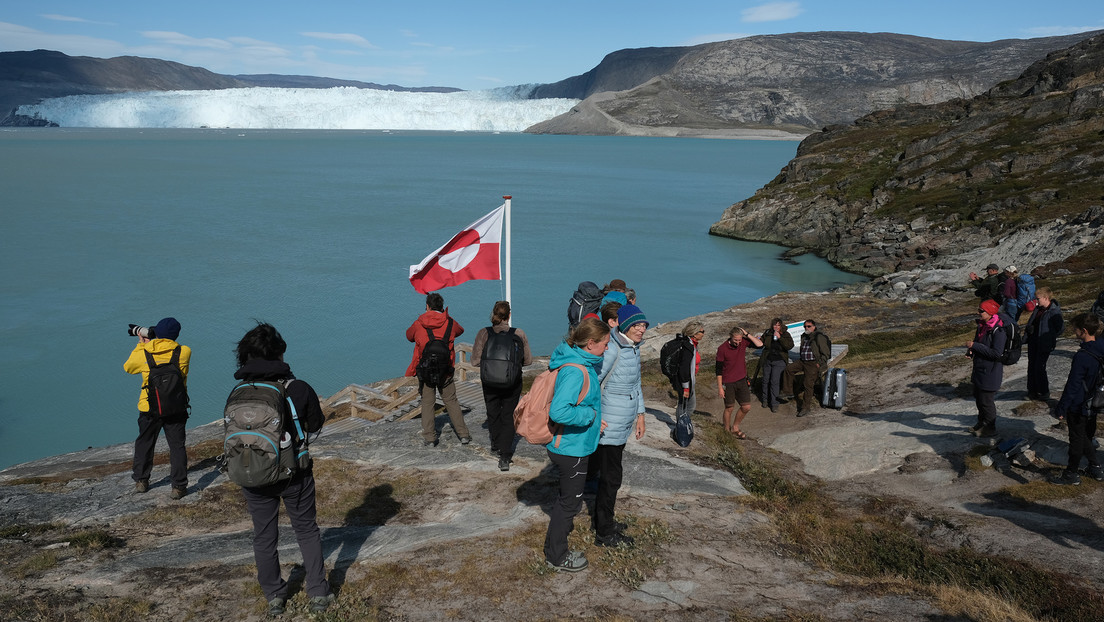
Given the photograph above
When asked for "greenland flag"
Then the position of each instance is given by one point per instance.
(470, 254)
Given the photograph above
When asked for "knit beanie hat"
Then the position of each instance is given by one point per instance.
(628, 315)
(989, 306)
(167, 328)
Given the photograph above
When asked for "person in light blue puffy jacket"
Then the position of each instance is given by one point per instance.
(622, 414)
(582, 423)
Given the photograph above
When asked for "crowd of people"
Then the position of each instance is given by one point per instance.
(1005, 296)
(598, 402)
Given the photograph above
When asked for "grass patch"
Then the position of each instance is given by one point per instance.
(356, 495)
(892, 346)
(859, 543)
(1042, 492)
(214, 507)
(34, 565)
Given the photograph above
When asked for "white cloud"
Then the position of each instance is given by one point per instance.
(68, 18)
(772, 12)
(176, 38)
(341, 37)
(721, 36)
(1055, 31)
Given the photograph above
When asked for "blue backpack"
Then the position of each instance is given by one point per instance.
(1025, 289)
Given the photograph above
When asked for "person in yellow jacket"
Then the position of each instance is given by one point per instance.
(161, 348)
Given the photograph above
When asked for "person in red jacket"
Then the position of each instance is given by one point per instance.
(436, 319)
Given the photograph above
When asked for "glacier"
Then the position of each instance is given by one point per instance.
(339, 108)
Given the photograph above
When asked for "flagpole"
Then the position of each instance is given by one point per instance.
(507, 199)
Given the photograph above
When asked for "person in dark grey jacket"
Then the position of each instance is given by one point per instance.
(260, 355)
(1075, 403)
(1042, 330)
(986, 350)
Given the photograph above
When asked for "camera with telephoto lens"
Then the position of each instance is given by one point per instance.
(145, 332)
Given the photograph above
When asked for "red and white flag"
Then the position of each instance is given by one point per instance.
(470, 254)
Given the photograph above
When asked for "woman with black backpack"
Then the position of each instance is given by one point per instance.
(500, 352)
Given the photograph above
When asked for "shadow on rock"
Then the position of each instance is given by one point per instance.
(1060, 526)
(360, 523)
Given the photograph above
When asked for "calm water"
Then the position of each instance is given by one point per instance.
(314, 231)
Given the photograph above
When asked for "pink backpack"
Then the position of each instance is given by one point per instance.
(531, 415)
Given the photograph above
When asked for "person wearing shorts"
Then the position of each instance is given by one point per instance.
(732, 381)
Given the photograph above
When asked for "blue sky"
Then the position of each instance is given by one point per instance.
(477, 44)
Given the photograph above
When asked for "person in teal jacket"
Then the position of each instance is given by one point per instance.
(581, 421)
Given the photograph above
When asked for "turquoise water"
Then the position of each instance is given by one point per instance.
(314, 231)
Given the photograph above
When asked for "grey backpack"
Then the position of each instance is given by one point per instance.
(258, 447)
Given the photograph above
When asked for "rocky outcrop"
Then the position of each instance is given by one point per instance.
(797, 82)
(910, 187)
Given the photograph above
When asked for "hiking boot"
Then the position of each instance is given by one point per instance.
(1068, 478)
(617, 539)
(802, 412)
(574, 562)
(141, 485)
(503, 464)
(465, 440)
(774, 408)
(985, 431)
(318, 604)
(432, 443)
(276, 606)
(178, 493)
(1096, 472)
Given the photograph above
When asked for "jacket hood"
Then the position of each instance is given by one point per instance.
(571, 354)
(434, 319)
(261, 369)
(159, 346)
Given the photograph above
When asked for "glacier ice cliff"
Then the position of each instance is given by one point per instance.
(339, 108)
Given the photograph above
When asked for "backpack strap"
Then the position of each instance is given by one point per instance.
(294, 413)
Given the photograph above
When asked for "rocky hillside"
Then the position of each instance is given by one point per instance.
(916, 185)
(798, 82)
(27, 77)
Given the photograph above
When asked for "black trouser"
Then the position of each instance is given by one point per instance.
(500, 417)
(1037, 381)
(562, 515)
(264, 508)
(1082, 428)
(149, 426)
(607, 460)
(986, 406)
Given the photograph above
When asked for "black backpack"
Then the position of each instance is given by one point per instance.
(165, 389)
(584, 301)
(435, 365)
(1094, 400)
(500, 362)
(670, 358)
(1013, 343)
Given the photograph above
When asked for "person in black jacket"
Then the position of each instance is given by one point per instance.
(986, 350)
(1044, 326)
(1076, 402)
(260, 356)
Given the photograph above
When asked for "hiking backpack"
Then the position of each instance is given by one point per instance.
(1013, 343)
(1095, 397)
(258, 449)
(1025, 289)
(435, 365)
(670, 358)
(166, 392)
(584, 301)
(500, 362)
(531, 420)
(1098, 307)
